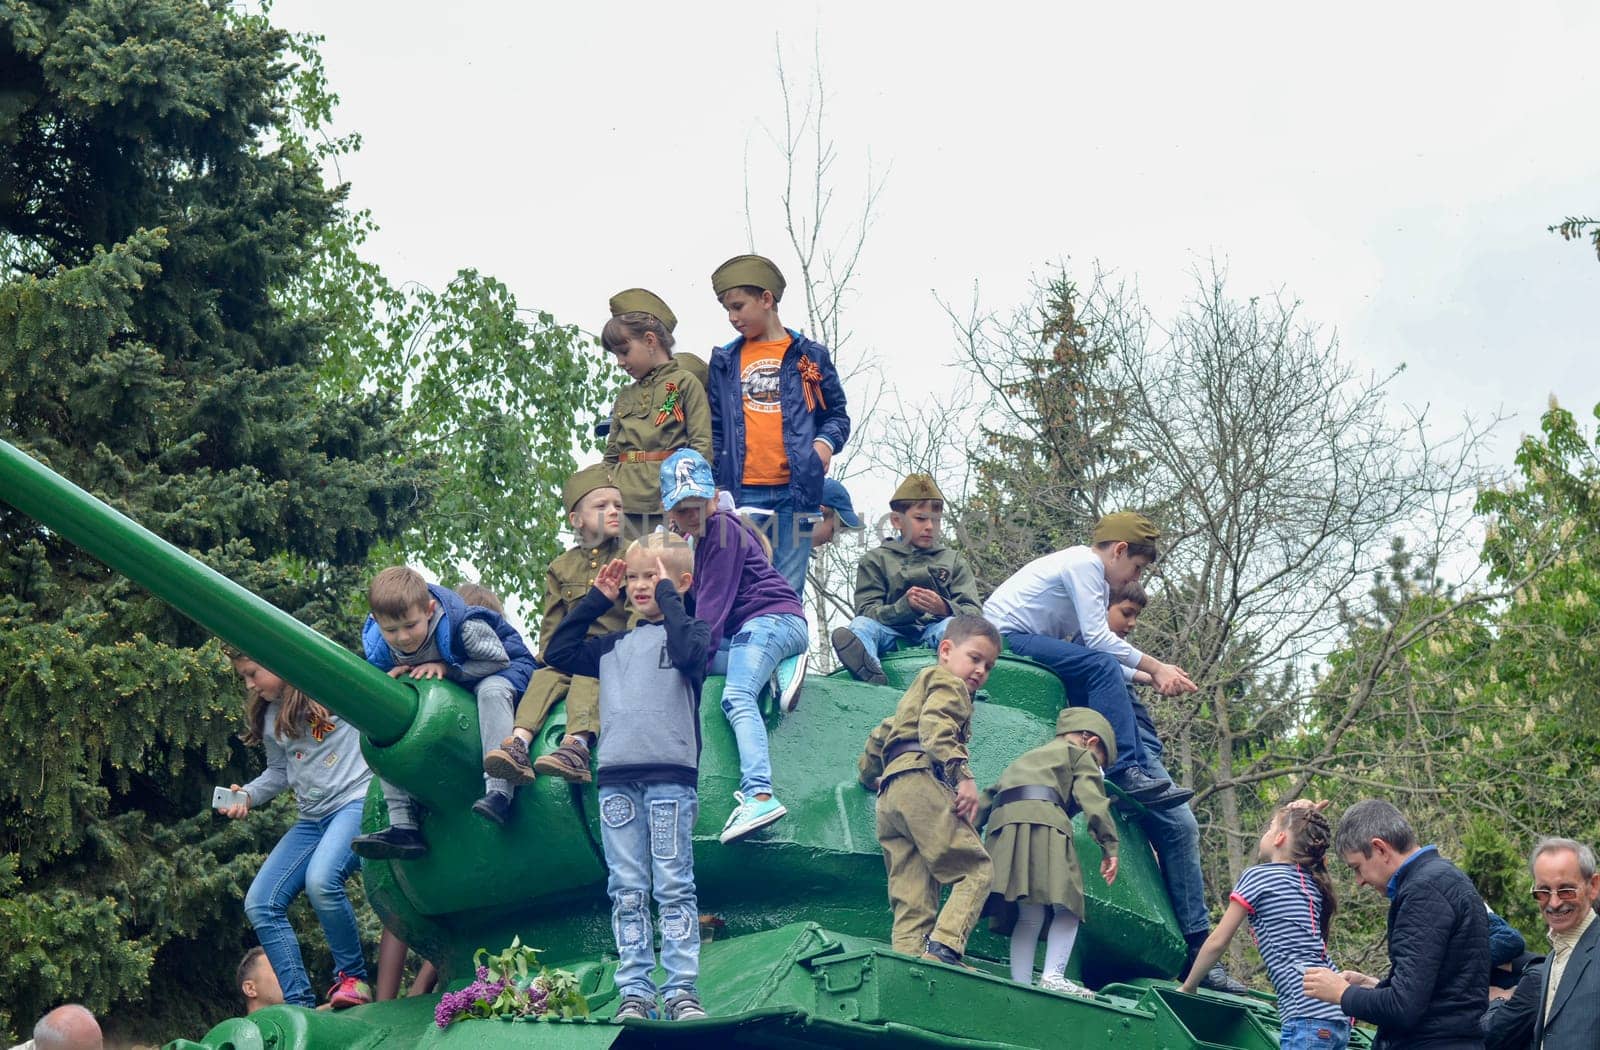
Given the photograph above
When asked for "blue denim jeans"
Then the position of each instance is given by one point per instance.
(313, 855)
(788, 529)
(748, 659)
(880, 638)
(646, 830)
(1175, 835)
(1314, 1033)
(1093, 679)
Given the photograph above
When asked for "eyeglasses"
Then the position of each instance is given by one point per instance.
(1562, 893)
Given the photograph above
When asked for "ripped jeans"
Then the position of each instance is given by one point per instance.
(646, 831)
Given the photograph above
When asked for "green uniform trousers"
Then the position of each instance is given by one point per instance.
(925, 845)
(549, 686)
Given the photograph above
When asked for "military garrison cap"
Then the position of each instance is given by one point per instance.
(695, 366)
(641, 300)
(584, 482)
(1126, 526)
(915, 488)
(748, 270)
(1086, 720)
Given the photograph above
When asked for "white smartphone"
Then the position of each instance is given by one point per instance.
(222, 798)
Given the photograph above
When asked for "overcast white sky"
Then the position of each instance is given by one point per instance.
(1393, 166)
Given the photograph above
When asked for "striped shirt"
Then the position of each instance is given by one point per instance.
(1285, 909)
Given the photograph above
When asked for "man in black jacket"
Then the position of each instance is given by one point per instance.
(1557, 1006)
(1438, 939)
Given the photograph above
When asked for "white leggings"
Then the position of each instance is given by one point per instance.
(1025, 941)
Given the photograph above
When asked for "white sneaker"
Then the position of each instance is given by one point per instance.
(751, 815)
(1055, 982)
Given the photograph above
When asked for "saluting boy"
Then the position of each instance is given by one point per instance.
(917, 762)
(908, 588)
(594, 512)
(662, 410)
(777, 412)
(1065, 595)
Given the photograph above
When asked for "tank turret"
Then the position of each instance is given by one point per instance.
(797, 913)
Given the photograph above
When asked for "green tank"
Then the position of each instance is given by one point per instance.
(796, 916)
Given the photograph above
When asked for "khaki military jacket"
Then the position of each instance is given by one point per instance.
(568, 579)
(664, 411)
(888, 571)
(1075, 775)
(935, 713)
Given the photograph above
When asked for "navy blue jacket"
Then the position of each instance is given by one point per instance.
(800, 426)
(456, 613)
(1438, 981)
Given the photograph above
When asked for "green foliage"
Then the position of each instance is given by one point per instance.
(158, 204)
(1574, 228)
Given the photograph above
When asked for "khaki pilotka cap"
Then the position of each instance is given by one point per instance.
(753, 271)
(916, 488)
(1126, 526)
(643, 301)
(584, 482)
(1086, 720)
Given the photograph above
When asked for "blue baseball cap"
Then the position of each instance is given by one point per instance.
(835, 495)
(685, 475)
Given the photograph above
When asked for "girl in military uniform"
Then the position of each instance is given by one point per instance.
(662, 410)
(1029, 816)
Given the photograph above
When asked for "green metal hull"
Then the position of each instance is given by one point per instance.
(804, 986)
(799, 910)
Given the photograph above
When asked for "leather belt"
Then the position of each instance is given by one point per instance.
(644, 457)
(904, 747)
(1030, 793)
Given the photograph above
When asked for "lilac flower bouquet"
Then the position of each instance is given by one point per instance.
(515, 985)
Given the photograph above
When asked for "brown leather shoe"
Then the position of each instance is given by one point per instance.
(509, 761)
(855, 658)
(570, 761)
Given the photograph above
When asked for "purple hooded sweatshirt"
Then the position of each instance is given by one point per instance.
(733, 580)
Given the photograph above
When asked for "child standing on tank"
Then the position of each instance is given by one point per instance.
(594, 513)
(756, 623)
(662, 410)
(1289, 900)
(649, 760)
(917, 762)
(778, 412)
(421, 630)
(1030, 839)
(907, 588)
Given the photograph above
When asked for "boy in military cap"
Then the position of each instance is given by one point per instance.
(908, 588)
(916, 760)
(594, 512)
(1029, 816)
(662, 410)
(1064, 595)
(777, 412)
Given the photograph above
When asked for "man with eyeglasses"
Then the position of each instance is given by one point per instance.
(1557, 1006)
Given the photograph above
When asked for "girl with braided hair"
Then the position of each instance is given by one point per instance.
(1289, 900)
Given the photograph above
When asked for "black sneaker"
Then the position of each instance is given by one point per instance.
(495, 806)
(1219, 980)
(1150, 791)
(684, 1007)
(855, 658)
(390, 844)
(943, 953)
(633, 1008)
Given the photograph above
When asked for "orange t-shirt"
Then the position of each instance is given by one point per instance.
(764, 460)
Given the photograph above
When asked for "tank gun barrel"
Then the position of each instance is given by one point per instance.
(381, 707)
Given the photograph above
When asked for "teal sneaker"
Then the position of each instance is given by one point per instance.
(751, 815)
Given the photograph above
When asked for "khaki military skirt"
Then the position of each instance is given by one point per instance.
(1034, 864)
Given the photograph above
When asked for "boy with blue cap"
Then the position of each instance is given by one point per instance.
(837, 513)
(755, 618)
